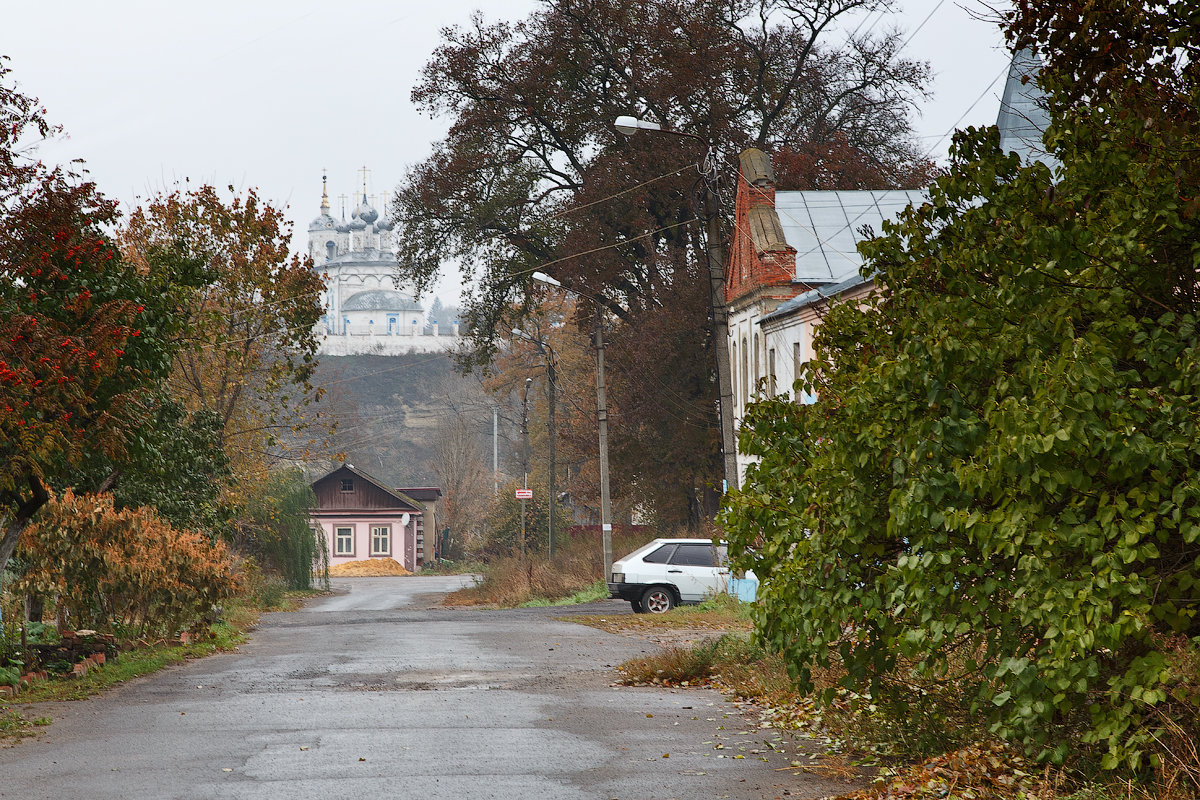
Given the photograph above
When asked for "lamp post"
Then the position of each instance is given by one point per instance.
(602, 425)
(715, 249)
(549, 356)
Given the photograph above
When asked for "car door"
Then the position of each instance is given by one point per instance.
(693, 569)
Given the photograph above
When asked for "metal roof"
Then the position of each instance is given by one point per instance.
(380, 300)
(813, 296)
(1023, 117)
(825, 227)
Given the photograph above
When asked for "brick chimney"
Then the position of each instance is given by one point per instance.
(759, 255)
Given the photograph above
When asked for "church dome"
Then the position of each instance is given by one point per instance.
(383, 225)
(321, 223)
(380, 300)
(357, 224)
(366, 212)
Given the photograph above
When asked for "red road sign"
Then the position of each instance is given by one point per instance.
(524, 494)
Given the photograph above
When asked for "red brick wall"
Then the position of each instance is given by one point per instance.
(748, 268)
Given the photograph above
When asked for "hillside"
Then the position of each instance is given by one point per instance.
(387, 408)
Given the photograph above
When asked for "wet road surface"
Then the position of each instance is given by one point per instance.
(377, 692)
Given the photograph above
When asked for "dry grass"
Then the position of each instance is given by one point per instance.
(512, 582)
(371, 568)
(722, 614)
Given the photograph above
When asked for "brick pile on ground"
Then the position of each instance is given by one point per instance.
(372, 568)
(82, 650)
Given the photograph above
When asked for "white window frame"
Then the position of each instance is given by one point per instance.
(337, 539)
(387, 540)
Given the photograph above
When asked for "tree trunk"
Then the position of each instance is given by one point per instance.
(19, 520)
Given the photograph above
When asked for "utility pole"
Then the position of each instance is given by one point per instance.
(602, 420)
(720, 323)
(495, 450)
(525, 457)
(709, 170)
(553, 390)
(551, 358)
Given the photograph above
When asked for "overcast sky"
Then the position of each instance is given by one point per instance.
(267, 93)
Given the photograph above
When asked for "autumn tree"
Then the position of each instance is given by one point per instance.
(532, 175)
(84, 335)
(999, 487)
(123, 570)
(250, 347)
(460, 465)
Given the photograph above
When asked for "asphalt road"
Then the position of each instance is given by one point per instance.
(376, 692)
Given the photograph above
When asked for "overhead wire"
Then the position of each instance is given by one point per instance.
(971, 108)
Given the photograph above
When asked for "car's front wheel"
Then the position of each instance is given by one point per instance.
(637, 606)
(657, 600)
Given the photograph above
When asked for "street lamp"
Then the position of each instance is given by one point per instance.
(602, 425)
(716, 285)
(551, 359)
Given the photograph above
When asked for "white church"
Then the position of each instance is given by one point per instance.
(367, 310)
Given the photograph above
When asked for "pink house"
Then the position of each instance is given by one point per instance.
(362, 518)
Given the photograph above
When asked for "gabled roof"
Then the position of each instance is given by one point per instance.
(1023, 117)
(403, 498)
(825, 227)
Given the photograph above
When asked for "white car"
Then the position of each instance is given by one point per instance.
(667, 572)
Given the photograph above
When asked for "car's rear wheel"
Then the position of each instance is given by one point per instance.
(657, 600)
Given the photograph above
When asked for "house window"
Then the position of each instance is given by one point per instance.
(344, 542)
(733, 366)
(347, 484)
(381, 540)
(771, 372)
(745, 370)
(797, 363)
(757, 370)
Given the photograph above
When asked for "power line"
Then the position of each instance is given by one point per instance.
(954, 127)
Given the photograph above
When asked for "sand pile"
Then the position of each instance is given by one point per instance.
(371, 568)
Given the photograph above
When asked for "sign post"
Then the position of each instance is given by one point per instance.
(523, 495)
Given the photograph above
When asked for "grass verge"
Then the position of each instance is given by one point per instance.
(142, 658)
(719, 614)
(574, 572)
(588, 594)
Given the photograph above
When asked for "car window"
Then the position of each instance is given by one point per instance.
(694, 555)
(659, 556)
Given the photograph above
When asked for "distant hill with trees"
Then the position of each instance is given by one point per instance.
(388, 409)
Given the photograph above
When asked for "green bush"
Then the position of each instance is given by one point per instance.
(276, 529)
(999, 486)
